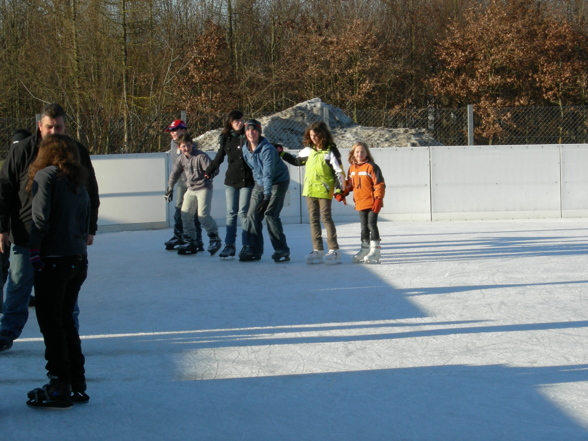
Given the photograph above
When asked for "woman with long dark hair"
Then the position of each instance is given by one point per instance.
(238, 179)
(57, 246)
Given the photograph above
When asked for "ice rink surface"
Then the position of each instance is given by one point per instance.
(465, 331)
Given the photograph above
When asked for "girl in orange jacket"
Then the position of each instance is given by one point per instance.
(367, 183)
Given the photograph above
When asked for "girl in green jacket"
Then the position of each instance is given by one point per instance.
(323, 175)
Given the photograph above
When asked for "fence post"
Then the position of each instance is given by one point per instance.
(326, 116)
(470, 124)
(183, 116)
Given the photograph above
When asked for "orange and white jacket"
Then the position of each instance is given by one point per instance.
(366, 182)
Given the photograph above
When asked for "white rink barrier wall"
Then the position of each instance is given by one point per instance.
(422, 184)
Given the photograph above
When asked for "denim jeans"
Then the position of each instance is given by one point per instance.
(18, 291)
(369, 225)
(56, 293)
(19, 286)
(272, 219)
(237, 207)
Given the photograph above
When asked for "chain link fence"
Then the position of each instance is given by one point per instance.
(104, 134)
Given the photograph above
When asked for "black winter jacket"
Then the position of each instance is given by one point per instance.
(61, 215)
(238, 174)
(16, 201)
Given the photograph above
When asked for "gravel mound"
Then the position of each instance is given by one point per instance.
(287, 128)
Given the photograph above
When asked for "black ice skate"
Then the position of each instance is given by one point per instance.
(228, 252)
(78, 392)
(281, 256)
(54, 395)
(215, 244)
(173, 243)
(188, 247)
(248, 255)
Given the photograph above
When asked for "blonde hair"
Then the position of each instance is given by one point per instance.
(351, 157)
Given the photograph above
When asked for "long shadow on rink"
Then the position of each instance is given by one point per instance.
(449, 246)
(431, 403)
(142, 343)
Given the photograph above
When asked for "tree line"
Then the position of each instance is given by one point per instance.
(135, 60)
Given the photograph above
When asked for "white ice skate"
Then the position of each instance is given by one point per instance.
(374, 254)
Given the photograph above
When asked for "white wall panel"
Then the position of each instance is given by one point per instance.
(494, 182)
(574, 180)
(407, 175)
(131, 189)
(422, 183)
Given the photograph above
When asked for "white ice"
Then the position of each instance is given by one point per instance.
(465, 331)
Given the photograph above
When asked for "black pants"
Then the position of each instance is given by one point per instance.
(369, 225)
(56, 291)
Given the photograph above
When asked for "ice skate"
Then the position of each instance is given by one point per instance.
(228, 252)
(281, 256)
(199, 246)
(54, 395)
(78, 392)
(248, 255)
(364, 251)
(332, 257)
(188, 247)
(374, 254)
(173, 243)
(6, 339)
(215, 244)
(316, 256)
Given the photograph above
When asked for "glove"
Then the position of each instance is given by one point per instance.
(35, 259)
(169, 194)
(206, 176)
(377, 205)
(279, 148)
(263, 206)
(340, 196)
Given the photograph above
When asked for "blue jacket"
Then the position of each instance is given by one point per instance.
(268, 168)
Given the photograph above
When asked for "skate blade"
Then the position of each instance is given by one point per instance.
(49, 405)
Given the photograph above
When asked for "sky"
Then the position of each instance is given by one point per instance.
(470, 330)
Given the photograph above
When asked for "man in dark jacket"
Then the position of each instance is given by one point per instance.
(16, 218)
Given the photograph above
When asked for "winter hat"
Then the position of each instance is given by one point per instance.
(177, 124)
(253, 123)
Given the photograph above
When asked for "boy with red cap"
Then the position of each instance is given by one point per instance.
(175, 129)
